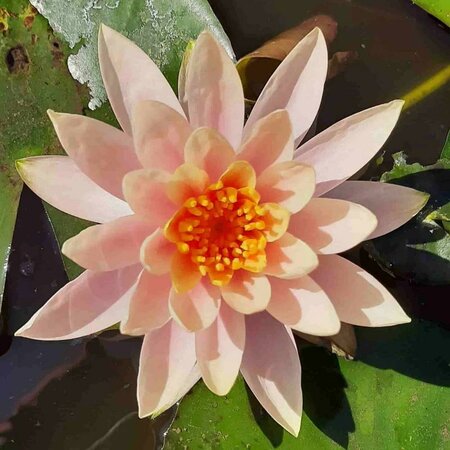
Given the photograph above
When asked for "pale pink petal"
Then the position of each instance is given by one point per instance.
(271, 368)
(247, 292)
(219, 350)
(186, 182)
(289, 257)
(357, 296)
(91, 303)
(393, 205)
(58, 181)
(341, 150)
(145, 191)
(197, 308)
(332, 226)
(289, 183)
(157, 253)
(270, 141)
(149, 305)
(209, 151)
(214, 90)
(296, 85)
(302, 305)
(159, 134)
(166, 362)
(104, 153)
(130, 76)
(108, 246)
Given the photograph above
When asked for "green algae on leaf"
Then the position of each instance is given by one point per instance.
(162, 28)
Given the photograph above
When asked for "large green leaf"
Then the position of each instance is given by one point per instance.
(392, 397)
(33, 77)
(438, 8)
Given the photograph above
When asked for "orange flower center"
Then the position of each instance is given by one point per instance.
(222, 230)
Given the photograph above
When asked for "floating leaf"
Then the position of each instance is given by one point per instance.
(438, 8)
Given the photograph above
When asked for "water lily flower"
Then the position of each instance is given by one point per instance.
(215, 240)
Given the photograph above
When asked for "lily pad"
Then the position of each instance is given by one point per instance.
(420, 250)
(377, 401)
(437, 8)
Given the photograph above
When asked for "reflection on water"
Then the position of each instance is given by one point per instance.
(80, 395)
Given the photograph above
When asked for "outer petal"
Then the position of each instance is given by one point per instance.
(167, 360)
(296, 85)
(270, 141)
(341, 150)
(392, 204)
(289, 257)
(302, 305)
(290, 184)
(149, 305)
(219, 350)
(196, 309)
(358, 297)
(130, 76)
(332, 226)
(187, 181)
(90, 303)
(108, 246)
(214, 90)
(145, 191)
(209, 151)
(271, 368)
(58, 181)
(104, 153)
(157, 253)
(159, 134)
(247, 292)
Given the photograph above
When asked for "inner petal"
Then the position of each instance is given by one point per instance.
(223, 230)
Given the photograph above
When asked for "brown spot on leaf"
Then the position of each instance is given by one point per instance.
(17, 59)
(57, 53)
(4, 22)
(28, 16)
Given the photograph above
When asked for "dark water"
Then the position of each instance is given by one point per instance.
(80, 395)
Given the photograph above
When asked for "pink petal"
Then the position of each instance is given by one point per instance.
(130, 76)
(149, 305)
(145, 191)
(159, 134)
(271, 368)
(270, 141)
(197, 308)
(332, 226)
(209, 151)
(380, 198)
(109, 246)
(247, 292)
(341, 150)
(358, 297)
(104, 153)
(58, 181)
(157, 253)
(91, 303)
(219, 350)
(302, 305)
(186, 182)
(289, 257)
(290, 184)
(296, 85)
(166, 362)
(214, 90)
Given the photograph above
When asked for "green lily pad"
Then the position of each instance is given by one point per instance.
(420, 249)
(377, 401)
(437, 8)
